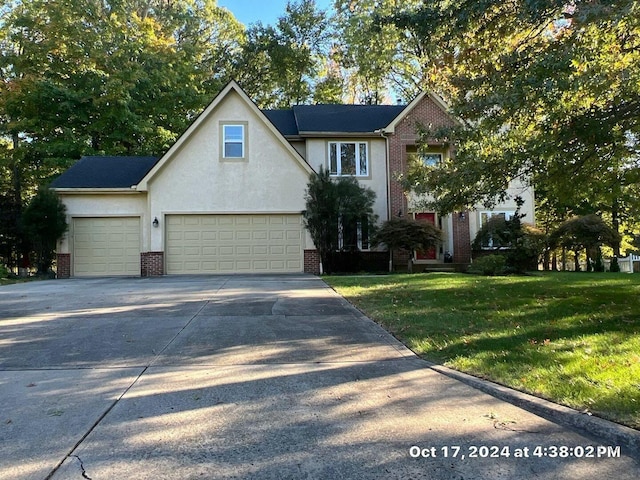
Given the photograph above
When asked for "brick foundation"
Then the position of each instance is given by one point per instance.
(63, 265)
(151, 264)
(312, 262)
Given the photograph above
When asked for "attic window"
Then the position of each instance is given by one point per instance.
(234, 141)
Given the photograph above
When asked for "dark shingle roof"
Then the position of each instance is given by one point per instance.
(347, 119)
(105, 172)
(283, 120)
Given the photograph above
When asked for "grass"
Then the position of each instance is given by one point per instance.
(573, 338)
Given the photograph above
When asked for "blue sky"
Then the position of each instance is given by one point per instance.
(265, 11)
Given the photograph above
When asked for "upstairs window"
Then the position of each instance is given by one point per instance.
(233, 141)
(426, 158)
(430, 159)
(348, 158)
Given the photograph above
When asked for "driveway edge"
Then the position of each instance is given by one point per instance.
(613, 432)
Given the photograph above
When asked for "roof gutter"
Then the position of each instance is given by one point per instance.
(97, 191)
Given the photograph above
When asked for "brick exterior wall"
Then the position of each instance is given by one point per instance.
(427, 113)
(461, 238)
(312, 262)
(151, 264)
(63, 265)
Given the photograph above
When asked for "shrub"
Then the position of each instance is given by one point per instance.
(334, 204)
(44, 222)
(489, 265)
(409, 235)
(615, 266)
(4, 271)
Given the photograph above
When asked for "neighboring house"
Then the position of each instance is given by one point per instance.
(228, 196)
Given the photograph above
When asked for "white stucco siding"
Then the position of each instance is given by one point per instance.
(318, 155)
(270, 179)
(103, 205)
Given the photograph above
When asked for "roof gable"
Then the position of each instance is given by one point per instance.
(101, 172)
(439, 102)
(205, 116)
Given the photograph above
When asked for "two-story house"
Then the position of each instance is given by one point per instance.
(228, 196)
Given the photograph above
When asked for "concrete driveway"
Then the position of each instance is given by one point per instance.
(249, 377)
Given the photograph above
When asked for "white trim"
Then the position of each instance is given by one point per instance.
(95, 191)
(357, 145)
(242, 141)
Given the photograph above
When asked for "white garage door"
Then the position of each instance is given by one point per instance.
(106, 246)
(234, 243)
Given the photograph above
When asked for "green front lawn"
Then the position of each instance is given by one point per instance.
(573, 338)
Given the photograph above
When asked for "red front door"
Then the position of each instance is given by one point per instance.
(431, 253)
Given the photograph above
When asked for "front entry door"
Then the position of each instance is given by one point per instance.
(429, 254)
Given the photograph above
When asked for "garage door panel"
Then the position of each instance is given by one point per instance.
(106, 246)
(234, 243)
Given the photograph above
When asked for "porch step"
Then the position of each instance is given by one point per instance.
(440, 267)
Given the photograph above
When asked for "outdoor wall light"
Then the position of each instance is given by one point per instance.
(155, 222)
(461, 216)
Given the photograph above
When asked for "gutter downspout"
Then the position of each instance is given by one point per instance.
(388, 186)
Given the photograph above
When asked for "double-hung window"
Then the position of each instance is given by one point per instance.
(349, 158)
(234, 141)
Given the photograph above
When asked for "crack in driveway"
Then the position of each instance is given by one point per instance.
(83, 471)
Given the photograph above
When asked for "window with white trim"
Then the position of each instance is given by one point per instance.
(349, 158)
(233, 141)
(488, 215)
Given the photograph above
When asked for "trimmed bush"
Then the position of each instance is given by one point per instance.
(489, 265)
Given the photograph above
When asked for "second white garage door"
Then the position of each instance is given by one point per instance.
(234, 243)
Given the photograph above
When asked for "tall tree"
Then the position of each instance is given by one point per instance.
(548, 92)
(280, 64)
(378, 57)
(334, 206)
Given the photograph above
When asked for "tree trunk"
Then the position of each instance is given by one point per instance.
(615, 220)
(545, 260)
(21, 248)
